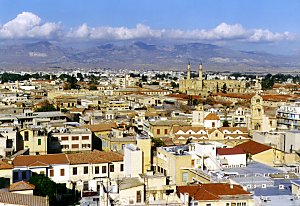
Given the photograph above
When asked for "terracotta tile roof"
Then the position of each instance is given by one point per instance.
(230, 151)
(277, 97)
(75, 110)
(212, 116)
(101, 127)
(20, 186)
(186, 136)
(94, 157)
(187, 128)
(5, 165)
(212, 191)
(236, 135)
(234, 95)
(21, 199)
(39, 160)
(253, 147)
(233, 129)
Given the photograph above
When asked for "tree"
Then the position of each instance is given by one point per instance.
(46, 107)
(224, 88)
(225, 123)
(174, 84)
(44, 186)
(92, 87)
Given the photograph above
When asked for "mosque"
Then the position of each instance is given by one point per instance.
(203, 87)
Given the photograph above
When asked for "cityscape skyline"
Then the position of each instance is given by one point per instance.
(251, 25)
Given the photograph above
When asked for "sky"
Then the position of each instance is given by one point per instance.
(268, 25)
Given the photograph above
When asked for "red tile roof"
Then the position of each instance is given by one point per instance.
(5, 165)
(211, 191)
(212, 116)
(94, 157)
(230, 151)
(20, 186)
(40, 160)
(253, 147)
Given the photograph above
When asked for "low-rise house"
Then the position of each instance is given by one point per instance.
(232, 157)
(214, 194)
(34, 139)
(88, 170)
(262, 153)
(70, 139)
(22, 187)
(55, 166)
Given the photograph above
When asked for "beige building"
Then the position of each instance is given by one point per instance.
(35, 140)
(205, 87)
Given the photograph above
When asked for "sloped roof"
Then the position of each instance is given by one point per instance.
(40, 160)
(22, 199)
(20, 186)
(94, 157)
(230, 151)
(212, 191)
(253, 147)
(101, 127)
(5, 165)
(212, 116)
(187, 128)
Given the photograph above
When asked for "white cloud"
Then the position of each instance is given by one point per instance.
(28, 25)
(221, 32)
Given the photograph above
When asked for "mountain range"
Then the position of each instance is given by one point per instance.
(140, 55)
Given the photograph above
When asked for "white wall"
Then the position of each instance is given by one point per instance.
(133, 162)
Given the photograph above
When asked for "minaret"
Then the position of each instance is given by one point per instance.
(189, 71)
(200, 75)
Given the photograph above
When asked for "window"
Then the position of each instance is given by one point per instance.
(103, 169)
(185, 177)
(51, 173)
(158, 131)
(39, 141)
(15, 175)
(62, 172)
(42, 172)
(64, 138)
(138, 196)
(74, 170)
(85, 170)
(85, 138)
(26, 136)
(97, 170)
(24, 175)
(122, 167)
(85, 185)
(74, 146)
(166, 131)
(75, 138)
(213, 124)
(111, 168)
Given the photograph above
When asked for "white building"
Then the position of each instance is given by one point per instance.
(133, 161)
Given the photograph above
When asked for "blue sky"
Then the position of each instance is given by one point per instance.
(255, 23)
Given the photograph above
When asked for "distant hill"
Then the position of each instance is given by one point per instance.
(140, 55)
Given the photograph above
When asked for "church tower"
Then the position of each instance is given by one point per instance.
(189, 71)
(257, 112)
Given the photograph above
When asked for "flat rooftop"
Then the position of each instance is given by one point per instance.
(254, 167)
